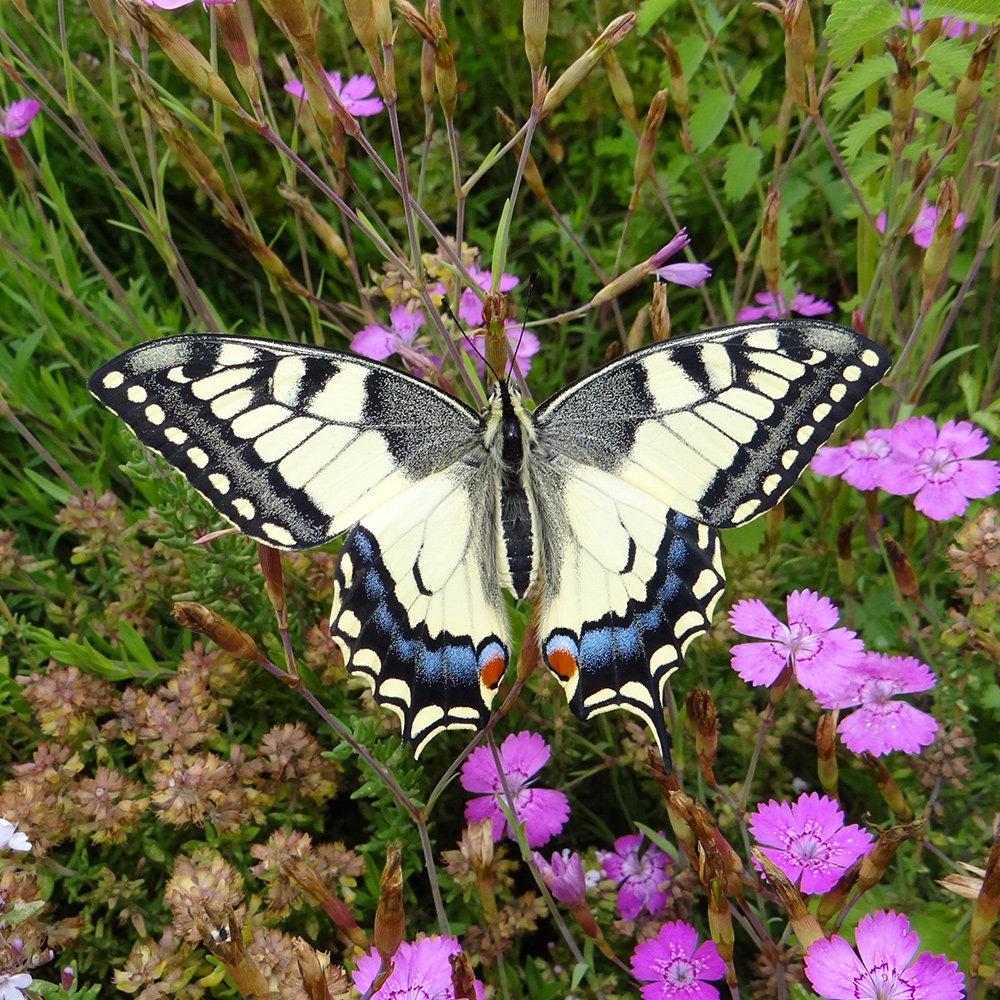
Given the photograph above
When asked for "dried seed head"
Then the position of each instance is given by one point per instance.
(937, 253)
(621, 89)
(969, 86)
(362, 17)
(297, 24)
(902, 94)
(659, 313)
(327, 235)
(770, 251)
(877, 860)
(984, 913)
(198, 618)
(647, 145)
(826, 752)
(805, 925)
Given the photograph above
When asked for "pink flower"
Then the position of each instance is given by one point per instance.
(820, 654)
(936, 466)
(951, 27)
(564, 876)
(674, 967)
(883, 967)
(470, 306)
(804, 305)
(644, 881)
(858, 463)
(14, 120)
(400, 337)
(808, 840)
(420, 970)
(690, 275)
(881, 724)
(923, 228)
(524, 342)
(543, 811)
(354, 94)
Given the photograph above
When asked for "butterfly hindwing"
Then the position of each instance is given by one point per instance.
(292, 444)
(628, 586)
(417, 610)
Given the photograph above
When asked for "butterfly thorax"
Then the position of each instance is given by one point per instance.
(508, 436)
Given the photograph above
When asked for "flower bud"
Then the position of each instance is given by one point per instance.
(390, 920)
(678, 81)
(299, 871)
(902, 570)
(327, 235)
(701, 712)
(297, 25)
(887, 786)
(936, 255)
(805, 925)
(535, 21)
(832, 901)
(902, 95)
(800, 53)
(875, 863)
(198, 618)
(845, 558)
(572, 77)
(361, 14)
(647, 145)
(967, 92)
(826, 752)
(463, 980)
(770, 252)
(310, 970)
(274, 581)
(195, 67)
(265, 256)
(621, 89)
(659, 314)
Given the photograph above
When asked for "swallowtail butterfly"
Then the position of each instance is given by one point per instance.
(605, 498)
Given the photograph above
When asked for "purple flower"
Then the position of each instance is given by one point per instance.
(808, 840)
(820, 654)
(804, 305)
(10, 838)
(400, 337)
(858, 463)
(936, 466)
(951, 27)
(690, 275)
(564, 876)
(885, 968)
(14, 120)
(881, 724)
(543, 811)
(923, 228)
(420, 970)
(673, 967)
(523, 342)
(12, 986)
(644, 881)
(354, 95)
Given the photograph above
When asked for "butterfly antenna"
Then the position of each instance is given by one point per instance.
(446, 305)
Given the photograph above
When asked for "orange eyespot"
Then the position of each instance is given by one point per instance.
(562, 663)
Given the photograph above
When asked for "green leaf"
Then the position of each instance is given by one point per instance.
(742, 169)
(691, 51)
(935, 102)
(967, 10)
(749, 82)
(649, 12)
(860, 77)
(709, 118)
(948, 54)
(745, 540)
(853, 23)
(862, 130)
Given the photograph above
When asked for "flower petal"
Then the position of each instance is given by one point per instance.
(544, 812)
(835, 971)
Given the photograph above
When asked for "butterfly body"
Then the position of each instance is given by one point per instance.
(602, 501)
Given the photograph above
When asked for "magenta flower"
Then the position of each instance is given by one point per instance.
(936, 466)
(10, 838)
(644, 881)
(803, 304)
(808, 840)
(951, 27)
(14, 120)
(399, 337)
(524, 342)
(690, 275)
(820, 654)
(885, 968)
(543, 811)
(354, 95)
(881, 724)
(564, 876)
(858, 463)
(674, 967)
(420, 970)
(923, 228)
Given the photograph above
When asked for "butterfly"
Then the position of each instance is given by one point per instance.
(603, 502)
